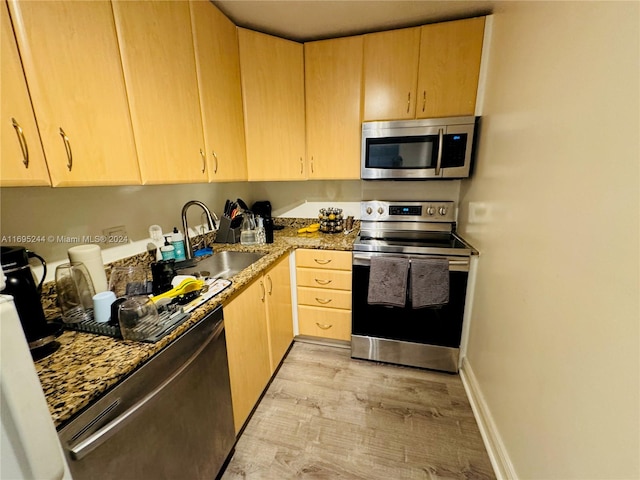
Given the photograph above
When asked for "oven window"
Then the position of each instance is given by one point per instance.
(402, 152)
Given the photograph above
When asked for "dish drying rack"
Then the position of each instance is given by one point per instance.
(170, 317)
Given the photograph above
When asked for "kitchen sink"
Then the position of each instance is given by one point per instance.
(224, 264)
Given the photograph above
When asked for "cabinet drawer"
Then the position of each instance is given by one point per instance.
(325, 322)
(331, 259)
(319, 297)
(317, 278)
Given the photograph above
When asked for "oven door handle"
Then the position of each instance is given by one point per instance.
(455, 264)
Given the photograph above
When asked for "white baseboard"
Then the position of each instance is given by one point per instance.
(498, 454)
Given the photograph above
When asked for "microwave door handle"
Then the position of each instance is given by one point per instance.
(440, 145)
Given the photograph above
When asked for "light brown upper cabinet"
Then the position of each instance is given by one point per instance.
(450, 56)
(390, 74)
(333, 81)
(423, 72)
(22, 162)
(72, 66)
(158, 58)
(218, 63)
(272, 72)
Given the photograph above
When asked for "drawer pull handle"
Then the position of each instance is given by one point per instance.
(322, 282)
(321, 261)
(324, 327)
(323, 301)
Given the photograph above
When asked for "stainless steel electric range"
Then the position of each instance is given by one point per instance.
(427, 337)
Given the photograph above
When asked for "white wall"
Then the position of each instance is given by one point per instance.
(554, 209)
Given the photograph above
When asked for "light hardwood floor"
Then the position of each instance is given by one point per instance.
(328, 416)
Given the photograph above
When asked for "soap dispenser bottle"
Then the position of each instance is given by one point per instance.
(168, 250)
(177, 240)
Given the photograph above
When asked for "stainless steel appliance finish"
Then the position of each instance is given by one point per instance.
(172, 418)
(418, 149)
(426, 337)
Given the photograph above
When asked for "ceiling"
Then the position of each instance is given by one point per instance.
(305, 20)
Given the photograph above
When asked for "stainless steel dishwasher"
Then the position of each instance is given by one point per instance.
(171, 418)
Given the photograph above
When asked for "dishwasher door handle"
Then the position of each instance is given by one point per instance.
(86, 446)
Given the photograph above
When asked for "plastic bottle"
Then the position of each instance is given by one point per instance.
(177, 240)
(261, 237)
(155, 233)
(248, 232)
(168, 250)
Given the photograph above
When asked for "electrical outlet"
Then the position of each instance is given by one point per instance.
(115, 234)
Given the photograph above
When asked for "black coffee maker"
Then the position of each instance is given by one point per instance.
(21, 285)
(263, 208)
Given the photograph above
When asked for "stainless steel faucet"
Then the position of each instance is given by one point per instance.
(211, 222)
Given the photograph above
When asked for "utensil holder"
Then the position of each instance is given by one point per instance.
(225, 233)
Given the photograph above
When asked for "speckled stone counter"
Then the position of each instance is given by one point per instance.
(87, 365)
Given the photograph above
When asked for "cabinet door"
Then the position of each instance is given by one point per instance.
(273, 97)
(333, 81)
(450, 56)
(22, 160)
(390, 74)
(72, 65)
(160, 73)
(279, 310)
(218, 63)
(248, 349)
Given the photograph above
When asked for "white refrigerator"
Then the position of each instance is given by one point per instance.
(29, 445)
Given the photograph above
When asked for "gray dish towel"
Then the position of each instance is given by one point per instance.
(429, 282)
(388, 281)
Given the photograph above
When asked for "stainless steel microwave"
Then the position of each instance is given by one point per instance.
(418, 149)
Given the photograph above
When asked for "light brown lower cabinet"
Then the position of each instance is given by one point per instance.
(259, 331)
(323, 284)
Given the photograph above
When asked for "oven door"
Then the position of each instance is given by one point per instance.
(426, 337)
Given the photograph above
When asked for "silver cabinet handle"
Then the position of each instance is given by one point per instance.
(270, 289)
(311, 164)
(22, 141)
(324, 326)
(204, 160)
(83, 448)
(424, 100)
(322, 282)
(263, 292)
(215, 163)
(323, 301)
(67, 147)
(321, 262)
(301, 166)
(440, 145)
(408, 102)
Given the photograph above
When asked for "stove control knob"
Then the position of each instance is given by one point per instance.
(431, 211)
(380, 210)
(369, 210)
(442, 211)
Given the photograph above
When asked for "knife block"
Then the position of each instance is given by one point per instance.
(225, 233)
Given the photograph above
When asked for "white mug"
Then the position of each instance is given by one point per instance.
(102, 306)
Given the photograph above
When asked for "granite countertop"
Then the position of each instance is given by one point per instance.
(87, 365)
